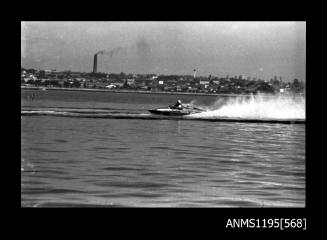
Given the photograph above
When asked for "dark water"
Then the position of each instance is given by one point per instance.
(69, 161)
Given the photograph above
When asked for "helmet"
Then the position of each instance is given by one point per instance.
(179, 101)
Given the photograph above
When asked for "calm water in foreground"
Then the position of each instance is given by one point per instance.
(81, 161)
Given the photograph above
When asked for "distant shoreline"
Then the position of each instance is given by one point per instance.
(144, 92)
(134, 91)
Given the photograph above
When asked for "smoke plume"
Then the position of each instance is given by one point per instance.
(111, 53)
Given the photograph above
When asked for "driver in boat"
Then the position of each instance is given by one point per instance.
(178, 105)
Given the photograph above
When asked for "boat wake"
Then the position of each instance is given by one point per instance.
(119, 114)
(257, 107)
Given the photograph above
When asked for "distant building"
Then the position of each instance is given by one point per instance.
(171, 82)
(110, 86)
(118, 84)
(192, 89)
(130, 81)
(204, 82)
(29, 77)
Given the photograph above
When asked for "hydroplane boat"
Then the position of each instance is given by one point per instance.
(172, 111)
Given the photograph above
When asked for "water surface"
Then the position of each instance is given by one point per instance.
(69, 161)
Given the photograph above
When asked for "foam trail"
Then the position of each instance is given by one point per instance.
(257, 107)
(148, 116)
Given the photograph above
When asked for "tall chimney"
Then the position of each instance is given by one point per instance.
(95, 63)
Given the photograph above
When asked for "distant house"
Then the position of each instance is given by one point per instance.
(118, 84)
(169, 88)
(111, 86)
(101, 84)
(130, 81)
(80, 79)
(171, 82)
(145, 88)
(75, 75)
(204, 82)
(29, 77)
(140, 83)
(284, 90)
(192, 89)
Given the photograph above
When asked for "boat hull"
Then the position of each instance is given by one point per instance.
(170, 112)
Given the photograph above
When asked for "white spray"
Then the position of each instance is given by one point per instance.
(257, 107)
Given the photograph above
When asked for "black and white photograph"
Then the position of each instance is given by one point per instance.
(163, 114)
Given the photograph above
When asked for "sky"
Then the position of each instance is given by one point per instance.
(256, 49)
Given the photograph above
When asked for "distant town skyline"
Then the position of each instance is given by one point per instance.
(255, 49)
